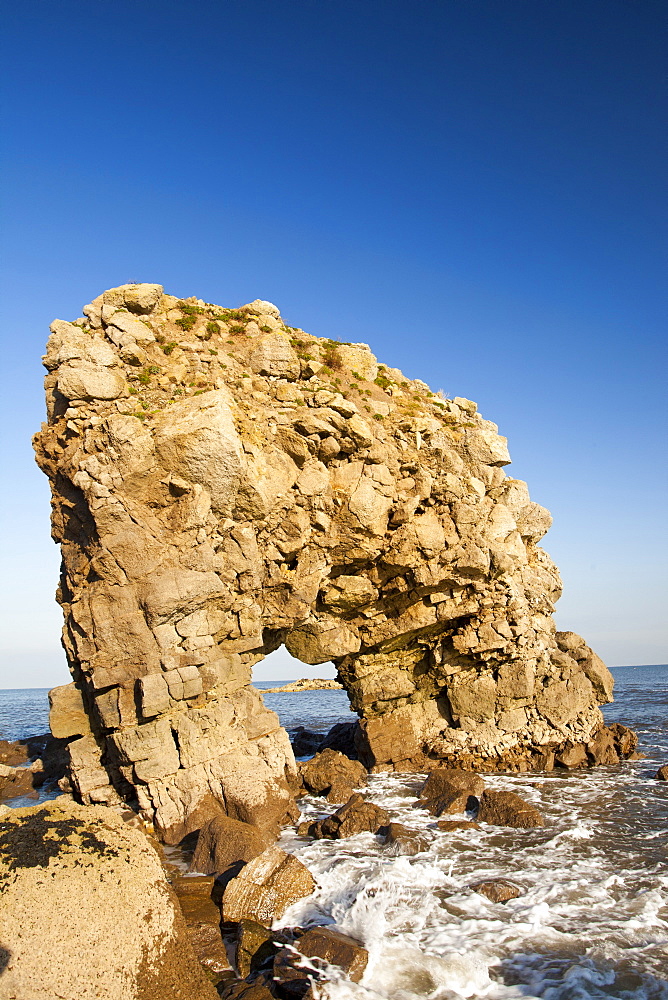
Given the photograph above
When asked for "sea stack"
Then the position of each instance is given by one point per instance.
(224, 484)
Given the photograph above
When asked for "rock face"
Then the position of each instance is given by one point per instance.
(222, 484)
(66, 873)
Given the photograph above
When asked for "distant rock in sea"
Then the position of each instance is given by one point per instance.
(305, 684)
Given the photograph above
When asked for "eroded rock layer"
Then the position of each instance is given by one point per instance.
(223, 484)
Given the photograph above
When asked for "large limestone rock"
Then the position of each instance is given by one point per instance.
(222, 484)
(86, 911)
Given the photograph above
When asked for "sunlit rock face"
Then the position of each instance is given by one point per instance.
(224, 484)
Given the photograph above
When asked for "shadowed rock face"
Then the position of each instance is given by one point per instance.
(223, 484)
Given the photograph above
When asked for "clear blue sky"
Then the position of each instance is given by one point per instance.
(473, 187)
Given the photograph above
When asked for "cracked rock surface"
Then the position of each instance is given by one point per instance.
(223, 484)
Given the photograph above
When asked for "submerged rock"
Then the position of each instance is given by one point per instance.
(86, 911)
(452, 825)
(223, 484)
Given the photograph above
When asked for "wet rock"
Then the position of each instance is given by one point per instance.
(662, 773)
(507, 809)
(305, 742)
(254, 948)
(356, 816)
(332, 774)
(497, 890)
(266, 887)
(292, 979)
(198, 898)
(13, 753)
(222, 841)
(450, 791)
(87, 912)
(404, 840)
(451, 825)
(207, 943)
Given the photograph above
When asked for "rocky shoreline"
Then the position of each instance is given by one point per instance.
(211, 934)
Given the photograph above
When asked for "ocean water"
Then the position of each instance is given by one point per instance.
(592, 920)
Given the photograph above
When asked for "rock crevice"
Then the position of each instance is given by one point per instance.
(223, 484)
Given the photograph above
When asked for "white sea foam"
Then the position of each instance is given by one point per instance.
(591, 923)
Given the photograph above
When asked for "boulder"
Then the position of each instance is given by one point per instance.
(507, 809)
(141, 298)
(356, 816)
(222, 841)
(497, 890)
(69, 873)
(15, 781)
(662, 773)
(450, 791)
(403, 840)
(332, 774)
(265, 888)
(13, 752)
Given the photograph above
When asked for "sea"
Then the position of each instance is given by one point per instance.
(591, 922)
